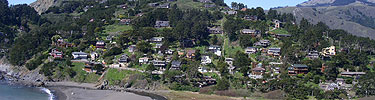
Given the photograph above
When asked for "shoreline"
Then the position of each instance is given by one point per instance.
(60, 90)
(71, 91)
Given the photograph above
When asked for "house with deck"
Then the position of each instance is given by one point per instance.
(79, 55)
(175, 65)
(100, 44)
(251, 32)
(274, 51)
(250, 50)
(329, 51)
(123, 59)
(161, 24)
(298, 69)
(56, 54)
(190, 53)
(215, 30)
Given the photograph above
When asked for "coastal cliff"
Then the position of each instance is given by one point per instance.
(20, 75)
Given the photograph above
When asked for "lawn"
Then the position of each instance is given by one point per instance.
(279, 31)
(114, 75)
(113, 29)
(230, 50)
(188, 4)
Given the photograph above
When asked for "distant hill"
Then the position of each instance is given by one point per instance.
(354, 16)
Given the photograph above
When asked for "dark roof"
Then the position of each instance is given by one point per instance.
(176, 63)
(300, 65)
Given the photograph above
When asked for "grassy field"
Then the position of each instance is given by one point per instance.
(114, 75)
(188, 4)
(82, 76)
(113, 29)
(230, 50)
(279, 31)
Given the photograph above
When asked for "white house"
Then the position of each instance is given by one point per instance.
(206, 60)
(79, 55)
(143, 60)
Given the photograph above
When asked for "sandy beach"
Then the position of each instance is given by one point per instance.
(76, 91)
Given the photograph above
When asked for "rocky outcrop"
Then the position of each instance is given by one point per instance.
(20, 75)
(42, 5)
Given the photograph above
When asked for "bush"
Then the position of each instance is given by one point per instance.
(181, 87)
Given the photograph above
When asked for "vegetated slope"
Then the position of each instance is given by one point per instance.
(357, 18)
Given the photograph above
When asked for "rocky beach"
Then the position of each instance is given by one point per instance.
(71, 90)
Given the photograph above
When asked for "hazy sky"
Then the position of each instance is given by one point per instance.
(20, 1)
(266, 4)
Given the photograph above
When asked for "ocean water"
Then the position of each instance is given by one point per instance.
(16, 92)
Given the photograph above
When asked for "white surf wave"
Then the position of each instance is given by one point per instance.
(51, 96)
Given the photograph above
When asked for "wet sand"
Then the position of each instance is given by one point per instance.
(73, 91)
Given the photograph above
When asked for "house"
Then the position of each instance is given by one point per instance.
(205, 1)
(216, 30)
(274, 51)
(157, 46)
(231, 12)
(56, 54)
(282, 35)
(298, 69)
(89, 67)
(190, 54)
(352, 74)
(340, 81)
(132, 48)
(257, 73)
(63, 43)
(250, 50)
(166, 5)
(229, 61)
(156, 39)
(125, 21)
(109, 38)
(161, 24)
(159, 63)
(175, 65)
(250, 18)
(123, 58)
(276, 70)
(153, 4)
(123, 6)
(209, 5)
(203, 69)
(100, 44)
(214, 48)
(143, 60)
(313, 55)
(329, 51)
(94, 56)
(263, 43)
(277, 23)
(329, 86)
(169, 51)
(206, 60)
(79, 55)
(250, 32)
